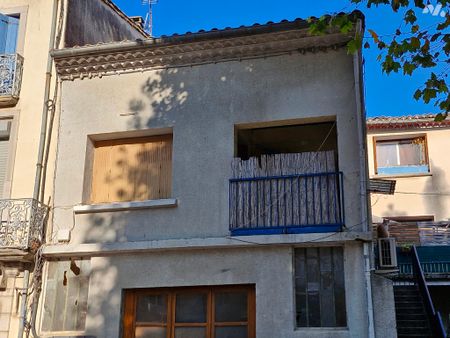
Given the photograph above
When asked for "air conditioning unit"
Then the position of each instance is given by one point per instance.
(387, 253)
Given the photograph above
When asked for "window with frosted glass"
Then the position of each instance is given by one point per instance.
(319, 287)
(401, 156)
(66, 293)
(197, 312)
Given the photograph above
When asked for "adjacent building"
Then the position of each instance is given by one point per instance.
(412, 152)
(29, 29)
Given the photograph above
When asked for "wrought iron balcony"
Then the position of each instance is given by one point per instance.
(286, 204)
(11, 66)
(21, 226)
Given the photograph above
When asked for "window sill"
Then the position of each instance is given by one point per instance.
(402, 175)
(315, 328)
(125, 206)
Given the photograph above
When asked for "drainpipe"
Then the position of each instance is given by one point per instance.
(48, 80)
(365, 214)
(38, 176)
(23, 304)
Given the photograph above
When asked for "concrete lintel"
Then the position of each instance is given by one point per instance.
(125, 206)
(106, 249)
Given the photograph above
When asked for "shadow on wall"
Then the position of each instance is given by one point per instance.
(164, 94)
(434, 196)
(164, 97)
(391, 211)
(438, 203)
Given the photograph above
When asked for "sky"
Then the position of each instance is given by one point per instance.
(384, 94)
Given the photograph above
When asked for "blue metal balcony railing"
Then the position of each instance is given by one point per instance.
(429, 268)
(434, 261)
(11, 66)
(286, 204)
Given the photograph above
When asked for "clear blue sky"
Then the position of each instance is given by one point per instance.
(385, 95)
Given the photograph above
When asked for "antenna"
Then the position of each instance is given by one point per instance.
(148, 23)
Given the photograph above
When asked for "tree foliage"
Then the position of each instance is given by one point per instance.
(409, 48)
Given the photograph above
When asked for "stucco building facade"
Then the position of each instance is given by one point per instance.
(411, 151)
(180, 166)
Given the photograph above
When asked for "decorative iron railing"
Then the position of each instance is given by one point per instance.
(11, 66)
(21, 223)
(286, 204)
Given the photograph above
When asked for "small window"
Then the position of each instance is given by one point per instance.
(198, 312)
(66, 292)
(5, 145)
(401, 156)
(134, 169)
(9, 29)
(319, 287)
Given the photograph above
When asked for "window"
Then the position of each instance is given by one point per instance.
(319, 287)
(133, 169)
(9, 29)
(5, 144)
(66, 292)
(198, 312)
(299, 138)
(401, 156)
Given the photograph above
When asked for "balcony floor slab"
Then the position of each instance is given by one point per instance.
(106, 249)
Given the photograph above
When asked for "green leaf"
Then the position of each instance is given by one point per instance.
(428, 94)
(410, 16)
(390, 65)
(381, 45)
(354, 44)
(426, 46)
(408, 68)
(395, 4)
(419, 3)
(440, 117)
(434, 37)
(417, 94)
(445, 24)
(415, 42)
(374, 35)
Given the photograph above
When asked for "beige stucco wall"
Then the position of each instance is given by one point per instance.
(33, 45)
(36, 18)
(421, 195)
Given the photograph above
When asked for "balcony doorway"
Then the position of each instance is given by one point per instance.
(285, 179)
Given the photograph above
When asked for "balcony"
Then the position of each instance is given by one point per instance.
(21, 228)
(435, 261)
(11, 66)
(286, 204)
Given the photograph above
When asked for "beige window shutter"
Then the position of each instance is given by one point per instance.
(132, 169)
